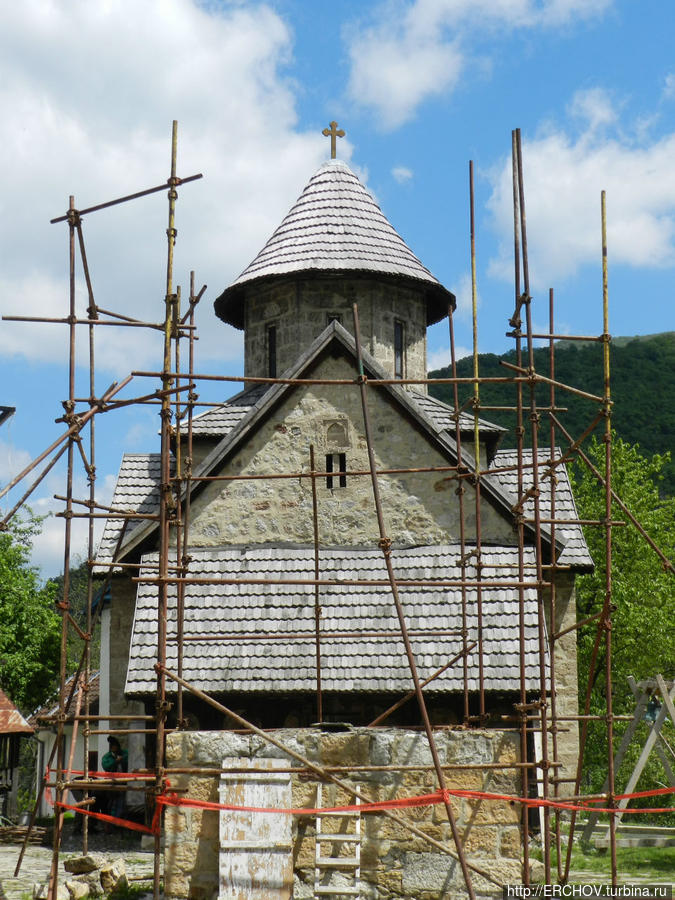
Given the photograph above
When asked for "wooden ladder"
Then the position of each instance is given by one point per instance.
(330, 863)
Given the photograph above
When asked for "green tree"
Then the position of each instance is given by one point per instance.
(29, 623)
(643, 595)
(77, 597)
(643, 390)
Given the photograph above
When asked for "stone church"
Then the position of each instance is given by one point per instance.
(252, 642)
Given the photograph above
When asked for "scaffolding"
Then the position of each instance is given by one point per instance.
(178, 399)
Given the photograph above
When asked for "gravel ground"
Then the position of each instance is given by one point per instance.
(37, 860)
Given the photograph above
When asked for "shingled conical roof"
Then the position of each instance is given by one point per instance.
(334, 226)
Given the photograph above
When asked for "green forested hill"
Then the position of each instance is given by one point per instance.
(642, 386)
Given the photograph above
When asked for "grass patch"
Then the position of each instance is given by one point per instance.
(133, 891)
(629, 860)
(636, 860)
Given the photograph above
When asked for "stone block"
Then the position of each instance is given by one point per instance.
(440, 833)
(78, 890)
(92, 881)
(481, 840)
(203, 788)
(439, 813)
(301, 889)
(175, 823)
(261, 748)
(474, 747)
(466, 780)
(381, 744)
(345, 748)
(427, 872)
(501, 872)
(303, 851)
(390, 830)
(510, 842)
(372, 852)
(113, 876)
(390, 880)
(507, 749)
(176, 748)
(304, 794)
(41, 890)
(503, 782)
(180, 858)
(492, 812)
(310, 740)
(176, 886)
(209, 748)
(80, 865)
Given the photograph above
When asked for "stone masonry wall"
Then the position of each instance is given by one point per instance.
(395, 863)
(419, 508)
(566, 677)
(300, 309)
(121, 621)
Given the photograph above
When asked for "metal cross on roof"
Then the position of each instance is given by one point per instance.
(334, 134)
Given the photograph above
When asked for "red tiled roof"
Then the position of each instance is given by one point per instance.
(51, 707)
(11, 720)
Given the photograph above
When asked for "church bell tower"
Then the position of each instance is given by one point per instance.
(334, 248)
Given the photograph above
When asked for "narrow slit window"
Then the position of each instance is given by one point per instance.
(399, 355)
(272, 351)
(336, 462)
(342, 459)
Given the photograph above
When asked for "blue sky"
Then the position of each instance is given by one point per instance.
(89, 91)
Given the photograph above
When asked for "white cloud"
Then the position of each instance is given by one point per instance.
(669, 86)
(594, 106)
(48, 546)
(12, 461)
(465, 298)
(563, 181)
(394, 72)
(439, 359)
(88, 92)
(412, 50)
(402, 174)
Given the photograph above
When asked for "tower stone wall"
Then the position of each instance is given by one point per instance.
(300, 308)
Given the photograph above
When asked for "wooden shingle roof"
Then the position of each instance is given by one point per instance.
(254, 655)
(335, 226)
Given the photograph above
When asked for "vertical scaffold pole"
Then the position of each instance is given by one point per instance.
(476, 451)
(462, 522)
(534, 437)
(166, 506)
(516, 322)
(607, 622)
(552, 579)
(73, 218)
(92, 312)
(317, 588)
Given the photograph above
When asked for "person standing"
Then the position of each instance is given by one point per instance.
(115, 760)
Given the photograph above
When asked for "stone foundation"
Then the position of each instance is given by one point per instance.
(394, 861)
